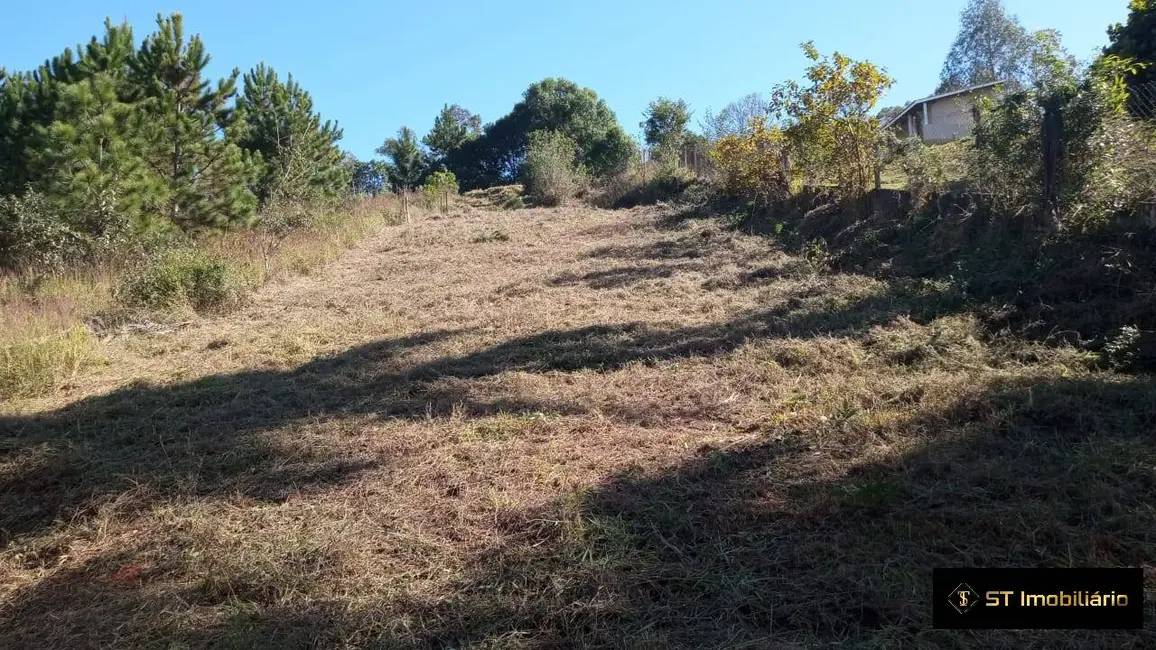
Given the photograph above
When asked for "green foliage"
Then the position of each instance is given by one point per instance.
(665, 127)
(298, 153)
(925, 167)
(367, 177)
(32, 235)
(185, 119)
(452, 128)
(440, 183)
(36, 365)
(991, 46)
(491, 235)
(644, 184)
(549, 173)
(439, 187)
(752, 165)
(1135, 39)
(1106, 156)
(830, 123)
(407, 162)
(90, 165)
(179, 278)
(601, 146)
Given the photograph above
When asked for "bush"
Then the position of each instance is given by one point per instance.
(438, 189)
(751, 165)
(643, 184)
(925, 167)
(35, 366)
(830, 122)
(179, 278)
(551, 176)
(31, 235)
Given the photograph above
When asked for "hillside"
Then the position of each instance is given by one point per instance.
(563, 427)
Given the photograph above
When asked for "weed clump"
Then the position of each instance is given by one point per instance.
(180, 278)
(34, 366)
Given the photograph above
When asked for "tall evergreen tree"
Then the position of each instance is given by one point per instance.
(29, 101)
(407, 162)
(299, 153)
(207, 176)
(453, 127)
(89, 163)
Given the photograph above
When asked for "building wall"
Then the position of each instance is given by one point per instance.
(952, 118)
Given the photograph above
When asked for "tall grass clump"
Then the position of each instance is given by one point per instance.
(643, 184)
(36, 364)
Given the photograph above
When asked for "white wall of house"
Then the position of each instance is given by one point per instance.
(949, 119)
(942, 120)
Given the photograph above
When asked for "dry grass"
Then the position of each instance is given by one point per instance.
(42, 337)
(603, 430)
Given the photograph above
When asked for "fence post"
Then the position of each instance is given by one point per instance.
(878, 168)
(1053, 152)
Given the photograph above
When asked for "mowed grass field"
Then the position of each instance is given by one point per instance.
(565, 428)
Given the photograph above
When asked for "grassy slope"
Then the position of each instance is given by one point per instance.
(603, 429)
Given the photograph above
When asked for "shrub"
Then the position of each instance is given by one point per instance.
(184, 277)
(643, 184)
(831, 123)
(752, 164)
(31, 235)
(1006, 165)
(438, 189)
(551, 176)
(35, 366)
(925, 168)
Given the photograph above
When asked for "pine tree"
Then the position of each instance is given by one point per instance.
(452, 128)
(89, 163)
(186, 121)
(299, 152)
(407, 162)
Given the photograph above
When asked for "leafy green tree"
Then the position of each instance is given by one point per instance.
(407, 163)
(298, 152)
(665, 126)
(187, 118)
(1135, 39)
(830, 122)
(453, 127)
(991, 45)
(558, 105)
(367, 177)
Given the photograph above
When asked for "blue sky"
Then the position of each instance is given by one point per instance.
(375, 66)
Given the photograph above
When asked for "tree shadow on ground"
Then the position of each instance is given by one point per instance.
(204, 437)
(740, 545)
(765, 544)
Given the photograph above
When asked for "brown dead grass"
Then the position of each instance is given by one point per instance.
(597, 431)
